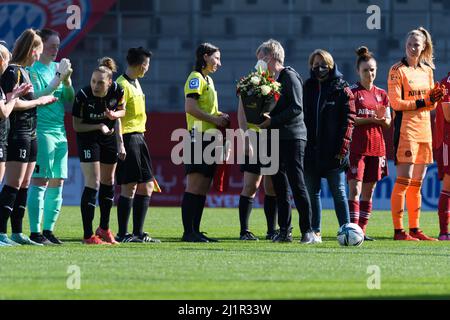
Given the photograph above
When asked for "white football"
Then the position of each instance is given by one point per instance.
(350, 235)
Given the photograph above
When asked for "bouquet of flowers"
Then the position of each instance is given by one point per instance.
(259, 93)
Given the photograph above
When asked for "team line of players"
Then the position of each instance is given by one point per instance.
(33, 144)
(34, 89)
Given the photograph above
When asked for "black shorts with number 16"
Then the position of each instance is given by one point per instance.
(95, 146)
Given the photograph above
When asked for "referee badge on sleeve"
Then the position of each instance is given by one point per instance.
(194, 83)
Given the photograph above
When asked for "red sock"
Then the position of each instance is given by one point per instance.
(364, 214)
(444, 211)
(354, 211)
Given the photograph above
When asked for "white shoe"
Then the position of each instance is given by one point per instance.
(317, 237)
(308, 238)
(7, 241)
(3, 244)
(22, 239)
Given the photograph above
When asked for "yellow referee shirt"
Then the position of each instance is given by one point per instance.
(135, 116)
(207, 102)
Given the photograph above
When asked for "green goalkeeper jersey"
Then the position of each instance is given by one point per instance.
(50, 118)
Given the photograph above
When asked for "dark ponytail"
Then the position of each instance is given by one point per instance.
(204, 48)
(364, 55)
(106, 65)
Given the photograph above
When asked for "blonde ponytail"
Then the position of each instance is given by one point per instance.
(427, 55)
(4, 52)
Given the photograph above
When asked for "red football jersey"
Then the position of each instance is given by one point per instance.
(368, 139)
(442, 127)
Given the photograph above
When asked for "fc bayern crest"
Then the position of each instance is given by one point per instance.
(17, 16)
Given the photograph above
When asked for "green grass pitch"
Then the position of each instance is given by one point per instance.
(229, 269)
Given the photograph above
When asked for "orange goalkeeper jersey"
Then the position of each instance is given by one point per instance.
(407, 85)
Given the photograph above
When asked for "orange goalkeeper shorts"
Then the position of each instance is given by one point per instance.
(414, 152)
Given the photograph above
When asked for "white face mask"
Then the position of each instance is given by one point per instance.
(261, 64)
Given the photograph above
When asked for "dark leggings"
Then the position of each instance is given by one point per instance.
(291, 173)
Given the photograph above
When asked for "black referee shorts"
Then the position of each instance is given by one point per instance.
(137, 166)
(95, 146)
(22, 150)
(208, 170)
(255, 166)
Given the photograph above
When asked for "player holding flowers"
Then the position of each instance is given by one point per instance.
(261, 87)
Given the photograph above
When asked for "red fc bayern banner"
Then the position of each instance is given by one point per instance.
(72, 19)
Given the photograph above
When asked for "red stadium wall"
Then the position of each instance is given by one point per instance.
(171, 177)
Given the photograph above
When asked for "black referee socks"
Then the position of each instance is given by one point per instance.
(271, 212)
(123, 214)
(192, 211)
(245, 208)
(7, 199)
(140, 207)
(19, 210)
(188, 211)
(88, 200)
(200, 205)
(105, 202)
